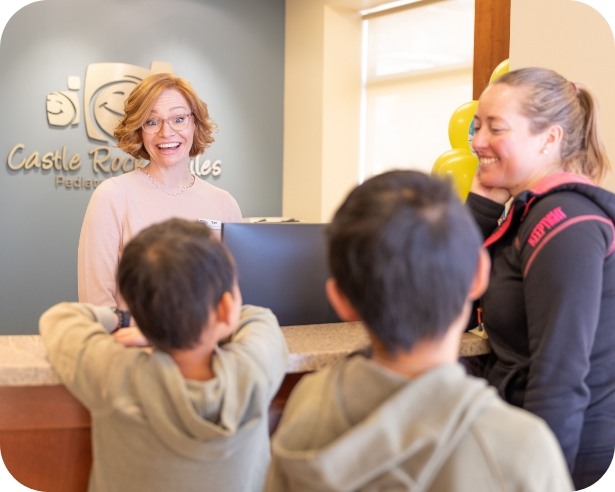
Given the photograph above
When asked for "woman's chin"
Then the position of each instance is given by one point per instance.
(488, 180)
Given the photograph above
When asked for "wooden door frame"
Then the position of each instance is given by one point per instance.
(491, 40)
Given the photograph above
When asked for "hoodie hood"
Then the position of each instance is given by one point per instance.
(571, 182)
(190, 416)
(411, 433)
(555, 183)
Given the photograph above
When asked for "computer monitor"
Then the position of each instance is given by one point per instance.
(282, 266)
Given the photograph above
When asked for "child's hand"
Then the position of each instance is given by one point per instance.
(130, 337)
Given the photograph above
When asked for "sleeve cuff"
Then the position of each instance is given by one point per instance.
(105, 316)
(486, 212)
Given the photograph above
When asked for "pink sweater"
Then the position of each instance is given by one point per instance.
(121, 207)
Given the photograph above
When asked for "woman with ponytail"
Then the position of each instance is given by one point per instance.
(549, 311)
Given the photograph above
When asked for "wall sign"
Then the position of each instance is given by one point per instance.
(96, 105)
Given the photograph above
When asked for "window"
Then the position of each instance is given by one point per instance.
(417, 70)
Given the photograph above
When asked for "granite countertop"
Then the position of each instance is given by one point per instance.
(23, 360)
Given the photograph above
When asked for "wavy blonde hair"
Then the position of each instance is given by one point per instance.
(138, 107)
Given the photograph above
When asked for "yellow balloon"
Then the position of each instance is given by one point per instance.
(501, 69)
(458, 165)
(459, 125)
(444, 157)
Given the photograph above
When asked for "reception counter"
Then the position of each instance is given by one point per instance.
(45, 432)
(23, 360)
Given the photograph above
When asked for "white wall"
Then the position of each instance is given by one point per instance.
(321, 107)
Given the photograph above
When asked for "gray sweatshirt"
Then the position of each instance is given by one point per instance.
(358, 427)
(153, 430)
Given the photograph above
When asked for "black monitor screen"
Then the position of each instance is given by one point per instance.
(282, 266)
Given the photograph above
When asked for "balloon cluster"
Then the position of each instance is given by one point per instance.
(459, 163)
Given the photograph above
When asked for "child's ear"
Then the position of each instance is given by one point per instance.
(481, 277)
(225, 308)
(342, 306)
(226, 316)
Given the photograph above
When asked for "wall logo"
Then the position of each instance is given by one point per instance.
(106, 87)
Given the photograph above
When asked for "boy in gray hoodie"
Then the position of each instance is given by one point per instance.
(191, 414)
(406, 259)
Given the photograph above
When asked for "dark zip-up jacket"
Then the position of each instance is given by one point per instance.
(549, 310)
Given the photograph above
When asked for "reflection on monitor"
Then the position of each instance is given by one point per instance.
(282, 266)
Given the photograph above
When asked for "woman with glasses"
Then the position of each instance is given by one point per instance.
(167, 124)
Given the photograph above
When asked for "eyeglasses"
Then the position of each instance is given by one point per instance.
(177, 123)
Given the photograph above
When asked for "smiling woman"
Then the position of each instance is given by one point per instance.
(549, 307)
(167, 124)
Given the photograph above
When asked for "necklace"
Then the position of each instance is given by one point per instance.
(171, 193)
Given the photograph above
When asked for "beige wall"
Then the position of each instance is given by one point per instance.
(577, 41)
(321, 107)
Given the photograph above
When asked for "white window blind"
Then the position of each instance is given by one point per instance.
(417, 70)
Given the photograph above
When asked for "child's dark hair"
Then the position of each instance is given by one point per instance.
(172, 275)
(404, 251)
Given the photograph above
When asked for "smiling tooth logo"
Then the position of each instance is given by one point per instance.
(63, 106)
(107, 85)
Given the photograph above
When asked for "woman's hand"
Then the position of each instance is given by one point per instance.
(130, 336)
(498, 195)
